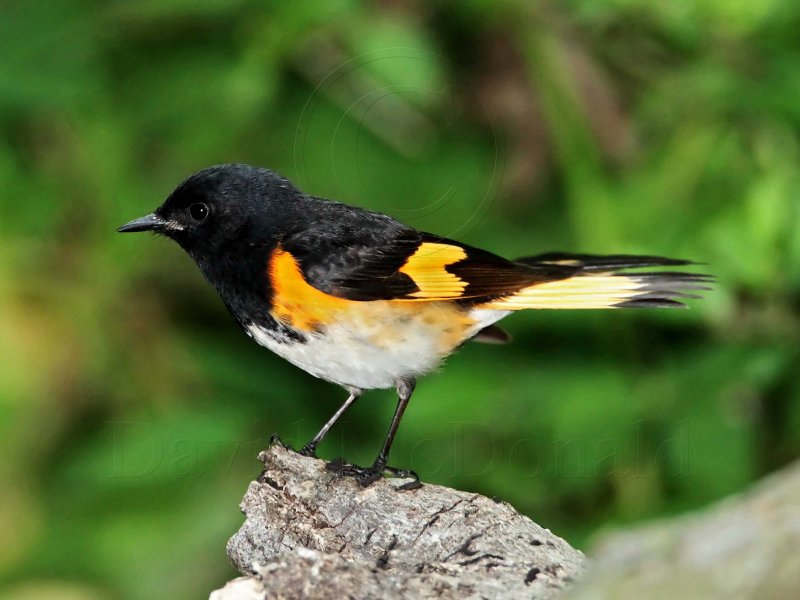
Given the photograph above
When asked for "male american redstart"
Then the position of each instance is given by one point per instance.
(360, 300)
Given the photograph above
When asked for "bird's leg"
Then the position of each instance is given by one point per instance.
(310, 449)
(405, 387)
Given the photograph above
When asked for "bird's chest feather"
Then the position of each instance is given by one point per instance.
(361, 344)
(372, 346)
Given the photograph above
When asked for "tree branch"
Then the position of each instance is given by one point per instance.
(311, 534)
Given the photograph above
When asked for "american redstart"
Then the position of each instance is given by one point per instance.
(358, 299)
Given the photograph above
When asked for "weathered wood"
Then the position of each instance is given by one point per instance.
(311, 534)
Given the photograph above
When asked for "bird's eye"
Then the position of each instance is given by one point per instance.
(198, 212)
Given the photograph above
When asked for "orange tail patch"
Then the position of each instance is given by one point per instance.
(605, 290)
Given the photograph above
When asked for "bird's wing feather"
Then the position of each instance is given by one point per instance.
(411, 266)
(360, 255)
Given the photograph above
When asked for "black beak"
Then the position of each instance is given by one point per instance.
(151, 222)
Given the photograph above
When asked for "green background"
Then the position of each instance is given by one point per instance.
(132, 408)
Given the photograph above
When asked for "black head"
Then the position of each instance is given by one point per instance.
(223, 210)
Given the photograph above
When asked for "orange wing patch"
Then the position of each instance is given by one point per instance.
(295, 301)
(427, 268)
(383, 323)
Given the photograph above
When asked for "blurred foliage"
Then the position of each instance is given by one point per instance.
(132, 409)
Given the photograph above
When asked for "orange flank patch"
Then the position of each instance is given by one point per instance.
(427, 268)
(295, 301)
(378, 323)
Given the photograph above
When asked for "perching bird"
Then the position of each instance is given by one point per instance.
(360, 300)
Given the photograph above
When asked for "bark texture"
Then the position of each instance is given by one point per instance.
(311, 534)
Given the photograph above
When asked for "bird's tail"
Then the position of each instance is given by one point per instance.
(590, 281)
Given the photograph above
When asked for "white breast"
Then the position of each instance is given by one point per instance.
(377, 348)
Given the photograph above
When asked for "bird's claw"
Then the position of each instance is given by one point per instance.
(366, 476)
(275, 440)
(309, 450)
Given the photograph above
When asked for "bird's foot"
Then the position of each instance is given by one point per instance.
(366, 476)
(309, 450)
(275, 440)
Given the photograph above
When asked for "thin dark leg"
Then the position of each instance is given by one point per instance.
(405, 388)
(310, 449)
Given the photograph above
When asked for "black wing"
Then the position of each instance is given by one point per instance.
(360, 255)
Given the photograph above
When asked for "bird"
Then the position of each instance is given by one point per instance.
(362, 301)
